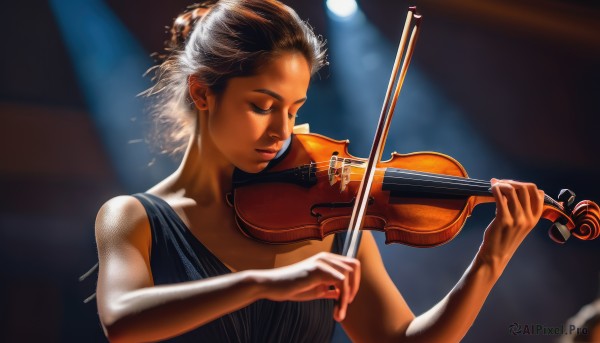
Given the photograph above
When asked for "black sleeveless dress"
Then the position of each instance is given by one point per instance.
(178, 256)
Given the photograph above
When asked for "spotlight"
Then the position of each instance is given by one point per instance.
(342, 8)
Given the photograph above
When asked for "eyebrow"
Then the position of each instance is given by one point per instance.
(276, 96)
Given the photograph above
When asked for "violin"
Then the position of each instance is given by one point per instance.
(420, 199)
(423, 199)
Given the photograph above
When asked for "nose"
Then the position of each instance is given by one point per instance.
(279, 126)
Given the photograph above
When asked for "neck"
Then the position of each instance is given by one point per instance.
(204, 173)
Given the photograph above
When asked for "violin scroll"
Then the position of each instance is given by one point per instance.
(586, 216)
(581, 220)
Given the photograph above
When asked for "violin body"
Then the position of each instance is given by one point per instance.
(414, 198)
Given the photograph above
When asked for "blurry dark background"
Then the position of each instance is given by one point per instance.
(508, 88)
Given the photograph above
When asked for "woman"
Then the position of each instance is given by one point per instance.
(172, 261)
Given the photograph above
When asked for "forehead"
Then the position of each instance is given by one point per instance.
(287, 74)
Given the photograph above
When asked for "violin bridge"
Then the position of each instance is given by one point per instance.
(345, 174)
(332, 172)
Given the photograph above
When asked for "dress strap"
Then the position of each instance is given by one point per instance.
(173, 244)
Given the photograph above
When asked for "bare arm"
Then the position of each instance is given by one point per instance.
(519, 207)
(131, 308)
(450, 319)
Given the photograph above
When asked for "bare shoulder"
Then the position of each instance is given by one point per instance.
(123, 238)
(121, 219)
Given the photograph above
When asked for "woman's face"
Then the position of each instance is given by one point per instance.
(254, 115)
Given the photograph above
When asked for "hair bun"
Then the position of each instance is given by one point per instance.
(183, 25)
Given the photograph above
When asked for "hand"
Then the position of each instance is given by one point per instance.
(322, 276)
(518, 209)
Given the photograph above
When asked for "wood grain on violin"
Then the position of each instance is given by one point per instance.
(418, 199)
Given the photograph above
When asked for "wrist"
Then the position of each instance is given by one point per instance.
(488, 265)
(256, 282)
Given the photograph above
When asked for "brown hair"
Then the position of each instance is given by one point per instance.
(217, 41)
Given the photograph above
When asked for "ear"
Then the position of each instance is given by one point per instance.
(199, 92)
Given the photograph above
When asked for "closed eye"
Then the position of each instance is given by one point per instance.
(260, 110)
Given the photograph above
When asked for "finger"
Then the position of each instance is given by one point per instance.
(335, 280)
(333, 266)
(537, 200)
(341, 265)
(333, 274)
(540, 201)
(354, 276)
(512, 200)
(322, 291)
(348, 267)
(524, 197)
(343, 301)
(332, 277)
(501, 206)
(534, 200)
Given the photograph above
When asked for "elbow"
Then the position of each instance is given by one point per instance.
(110, 326)
(117, 318)
(126, 326)
(115, 328)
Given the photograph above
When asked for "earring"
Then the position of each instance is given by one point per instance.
(202, 105)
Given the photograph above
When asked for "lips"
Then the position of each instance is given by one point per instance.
(267, 154)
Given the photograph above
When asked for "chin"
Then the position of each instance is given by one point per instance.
(253, 167)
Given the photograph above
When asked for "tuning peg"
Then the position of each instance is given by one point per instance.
(559, 231)
(567, 197)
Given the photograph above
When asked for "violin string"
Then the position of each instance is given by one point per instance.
(408, 172)
(447, 180)
(433, 181)
(441, 177)
(457, 186)
(548, 199)
(453, 182)
(442, 180)
(389, 174)
(467, 182)
(446, 185)
(397, 181)
(432, 187)
(432, 178)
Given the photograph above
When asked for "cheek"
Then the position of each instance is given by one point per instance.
(221, 129)
(234, 130)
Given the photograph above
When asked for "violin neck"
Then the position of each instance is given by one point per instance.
(423, 185)
(410, 183)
